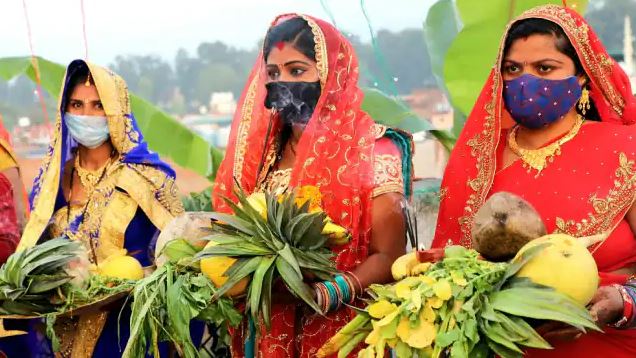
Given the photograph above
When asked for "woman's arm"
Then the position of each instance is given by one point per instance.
(388, 240)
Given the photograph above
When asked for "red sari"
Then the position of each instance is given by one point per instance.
(9, 229)
(586, 190)
(342, 151)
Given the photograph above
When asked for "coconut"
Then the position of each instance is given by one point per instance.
(503, 225)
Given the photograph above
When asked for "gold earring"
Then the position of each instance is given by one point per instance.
(584, 101)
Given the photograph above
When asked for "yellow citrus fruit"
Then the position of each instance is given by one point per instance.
(214, 268)
(566, 265)
(123, 267)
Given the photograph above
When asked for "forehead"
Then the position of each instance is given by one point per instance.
(283, 53)
(534, 47)
(83, 92)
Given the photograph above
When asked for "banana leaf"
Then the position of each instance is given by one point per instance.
(185, 147)
(392, 112)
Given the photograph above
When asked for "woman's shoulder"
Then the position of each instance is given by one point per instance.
(616, 135)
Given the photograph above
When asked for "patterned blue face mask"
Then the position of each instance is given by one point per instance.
(89, 131)
(535, 102)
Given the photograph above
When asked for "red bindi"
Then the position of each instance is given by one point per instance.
(279, 45)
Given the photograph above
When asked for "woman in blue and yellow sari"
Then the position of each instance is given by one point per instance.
(101, 185)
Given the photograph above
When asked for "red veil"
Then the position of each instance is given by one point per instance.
(586, 190)
(335, 151)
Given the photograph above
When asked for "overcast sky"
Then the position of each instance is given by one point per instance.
(161, 27)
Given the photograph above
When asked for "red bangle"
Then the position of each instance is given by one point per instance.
(628, 307)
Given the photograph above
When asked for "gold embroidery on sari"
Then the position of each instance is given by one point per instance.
(244, 129)
(378, 130)
(388, 175)
(320, 48)
(606, 210)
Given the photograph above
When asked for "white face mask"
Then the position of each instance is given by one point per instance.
(89, 131)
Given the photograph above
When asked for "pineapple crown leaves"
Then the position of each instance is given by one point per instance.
(38, 269)
(271, 237)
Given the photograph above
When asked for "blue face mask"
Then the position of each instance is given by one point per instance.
(535, 102)
(89, 131)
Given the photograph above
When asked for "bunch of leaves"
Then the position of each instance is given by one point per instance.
(165, 303)
(72, 297)
(462, 306)
(30, 278)
(285, 242)
(201, 201)
(97, 287)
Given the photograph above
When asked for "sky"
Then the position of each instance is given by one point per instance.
(161, 27)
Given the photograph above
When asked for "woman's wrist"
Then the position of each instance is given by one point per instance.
(626, 319)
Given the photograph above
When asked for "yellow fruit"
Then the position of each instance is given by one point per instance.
(403, 265)
(121, 266)
(214, 268)
(259, 203)
(338, 235)
(420, 268)
(566, 265)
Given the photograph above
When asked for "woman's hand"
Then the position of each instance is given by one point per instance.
(607, 305)
(606, 308)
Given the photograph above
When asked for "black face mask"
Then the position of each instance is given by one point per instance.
(295, 101)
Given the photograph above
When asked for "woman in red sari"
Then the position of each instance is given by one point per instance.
(570, 154)
(317, 135)
(13, 210)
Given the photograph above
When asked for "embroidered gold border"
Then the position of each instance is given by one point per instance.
(320, 47)
(118, 214)
(244, 128)
(606, 210)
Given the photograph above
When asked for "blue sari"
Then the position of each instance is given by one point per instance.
(133, 201)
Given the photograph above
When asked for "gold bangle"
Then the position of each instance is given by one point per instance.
(357, 280)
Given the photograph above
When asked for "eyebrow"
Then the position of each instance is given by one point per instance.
(295, 62)
(535, 62)
(89, 101)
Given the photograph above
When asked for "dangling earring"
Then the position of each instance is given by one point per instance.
(584, 101)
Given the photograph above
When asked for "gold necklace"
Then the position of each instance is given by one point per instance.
(89, 178)
(538, 159)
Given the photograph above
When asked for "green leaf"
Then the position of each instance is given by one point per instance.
(185, 147)
(502, 351)
(256, 288)
(287, 254)
(445, 339)
(391, 111)
(234, 221)
(246, 269)
(518, 262)
(266, 299)
(542, 304)
(295, 283)
(440, 29)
